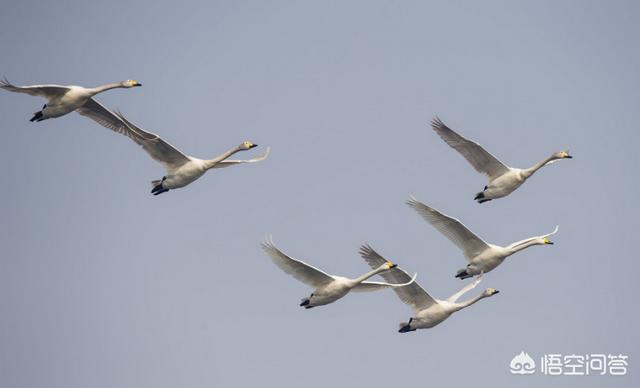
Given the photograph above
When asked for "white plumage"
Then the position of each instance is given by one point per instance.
(328, 288)
(503, 180)
(482, 257)
(429, 311)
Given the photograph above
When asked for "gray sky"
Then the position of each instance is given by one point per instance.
(104, 285)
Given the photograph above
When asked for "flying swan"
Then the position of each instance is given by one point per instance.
(64, 99)
(503, 180)
(429, 312)
(328, 288)
(181, 169)
(482, 257)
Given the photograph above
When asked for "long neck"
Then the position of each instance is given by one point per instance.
(523, 244)
(212, 162)
(460, 306)
(102, 88)
(529, 171)
(366, 276)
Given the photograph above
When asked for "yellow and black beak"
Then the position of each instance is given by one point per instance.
(547, 241)
(137, 84)
(391, 265)
(253, 145)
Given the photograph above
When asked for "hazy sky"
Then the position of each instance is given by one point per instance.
(104, 285)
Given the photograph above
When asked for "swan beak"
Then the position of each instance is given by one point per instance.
(547, 241)
(569, 157)
(253, 146)
(391, 265)
(496, 292)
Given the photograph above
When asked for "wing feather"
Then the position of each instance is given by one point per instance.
(155, 146)
(480, 159)
(46, 91)
(300, 270)
(411, 294)
(452, 228)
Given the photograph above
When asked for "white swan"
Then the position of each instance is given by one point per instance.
(482, 257)
(63, 99)
(503, 180)
(429, 312)
(181, 169)
(328, 288)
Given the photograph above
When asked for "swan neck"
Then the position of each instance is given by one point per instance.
(520, 245)
(102, 88)
(208, 164)
(467, 303)
(531, 170)
(367, 275)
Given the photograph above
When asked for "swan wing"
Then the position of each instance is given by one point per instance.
(300, 270)
(411, 294)
(466, 289)
(101, 115)
(480, 159)
(452, 228)
(155, 146)
(367, 286)
(46, 91)
(232, 162)
(552, 233)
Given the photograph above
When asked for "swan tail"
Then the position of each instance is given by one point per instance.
(479, 196)
(156, 183)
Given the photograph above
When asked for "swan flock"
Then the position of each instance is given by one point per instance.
(182, 170)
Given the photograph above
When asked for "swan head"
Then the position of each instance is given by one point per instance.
(388, 265)
(247, 145)
(490, 292)
(130, 83)
(562, 155)
(546, 241)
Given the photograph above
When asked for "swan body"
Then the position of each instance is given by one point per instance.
(503, 180)
(328, 288)
(63, 99)
(181, 169)
(429, 311)
(482, 256)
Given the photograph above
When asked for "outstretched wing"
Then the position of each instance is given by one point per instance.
(297, 268)
(453, 229)
(232, 162)
(155, 146)
(46, 91)
(411, 294)
(367, 286)
(480, 159)
(466, 289)
(101, 115)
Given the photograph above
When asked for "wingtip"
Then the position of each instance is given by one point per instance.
(412, 201)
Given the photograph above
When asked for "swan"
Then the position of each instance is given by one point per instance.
(181, 169)
(429, 312)
(482, 257)
(503, 180)
(63, 99)
(328, 288)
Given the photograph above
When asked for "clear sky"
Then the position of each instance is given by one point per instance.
(104, 285)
